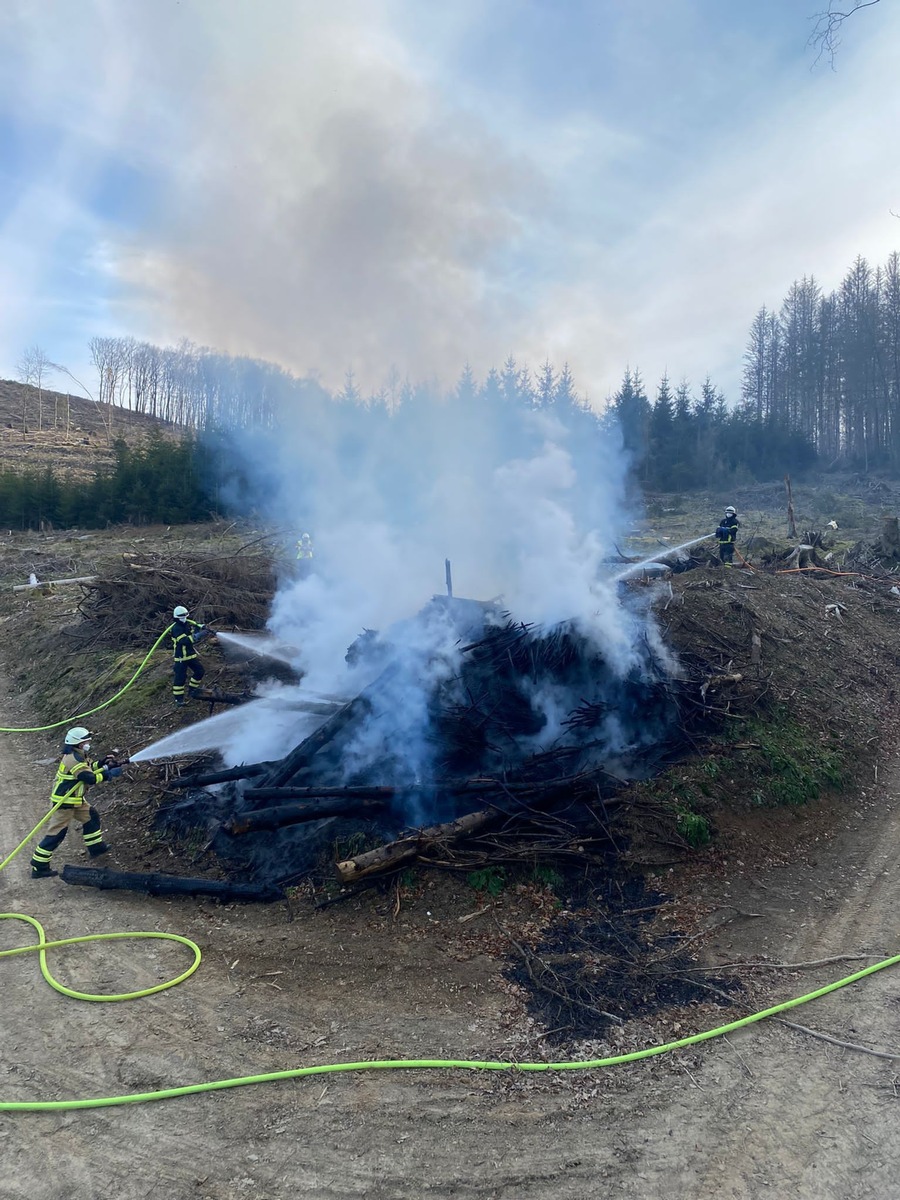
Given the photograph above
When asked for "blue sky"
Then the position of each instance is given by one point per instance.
(397, 184)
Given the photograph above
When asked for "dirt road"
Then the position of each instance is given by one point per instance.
(769, 1112)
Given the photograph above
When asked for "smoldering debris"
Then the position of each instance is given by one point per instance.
(474, 722)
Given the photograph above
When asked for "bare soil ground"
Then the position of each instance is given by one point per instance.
(768, 1111)
(422, 968)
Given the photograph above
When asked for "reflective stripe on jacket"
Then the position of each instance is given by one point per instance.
(73, 775)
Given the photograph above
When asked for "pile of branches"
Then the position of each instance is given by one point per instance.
(491, 776)
(131, 606)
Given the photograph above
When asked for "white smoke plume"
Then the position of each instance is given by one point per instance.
(524, 506)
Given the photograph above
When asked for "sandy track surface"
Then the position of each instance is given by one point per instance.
(769, 1112)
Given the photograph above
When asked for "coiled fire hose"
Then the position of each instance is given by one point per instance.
(391, 1064)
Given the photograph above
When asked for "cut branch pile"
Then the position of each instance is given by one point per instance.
(132, 606)
(481, 762)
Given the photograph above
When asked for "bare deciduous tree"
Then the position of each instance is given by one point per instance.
(32, 369)
(65, 371)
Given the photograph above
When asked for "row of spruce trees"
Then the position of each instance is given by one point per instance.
(163, 481)
(821, 386)
(676, 442)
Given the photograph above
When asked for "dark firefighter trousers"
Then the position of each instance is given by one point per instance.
(180, 670)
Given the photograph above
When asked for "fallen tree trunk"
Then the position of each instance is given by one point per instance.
(157, 884)
(302, 755)
(393, 854)
(296, 814)
(215, 696)
(382, 792)
(41, 583)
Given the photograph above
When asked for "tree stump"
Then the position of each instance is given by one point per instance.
(890, 537)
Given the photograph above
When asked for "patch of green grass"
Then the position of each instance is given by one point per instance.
(546, 876)
(693, 827)
(354, 844)
(491, 880)
(791, 766)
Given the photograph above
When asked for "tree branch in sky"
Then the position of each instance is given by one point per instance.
(826, 36)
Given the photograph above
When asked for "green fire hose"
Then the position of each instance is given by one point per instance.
(392, 1064)
(41, 946)
(90, 712)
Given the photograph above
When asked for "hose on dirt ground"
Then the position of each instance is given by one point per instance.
(25, 840)
(395, 1064)
(90, 712)
(41, 946)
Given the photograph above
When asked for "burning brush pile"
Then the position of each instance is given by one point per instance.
(477, 736)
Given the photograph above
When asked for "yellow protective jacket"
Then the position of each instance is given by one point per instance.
(73, 775)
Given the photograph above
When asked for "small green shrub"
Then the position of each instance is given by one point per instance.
(693, 827)
(487, 879)
(546, 876)
(354, 844)
(791, 766)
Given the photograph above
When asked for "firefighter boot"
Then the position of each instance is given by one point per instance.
(42, 872)
(43, 852)
(98, 848)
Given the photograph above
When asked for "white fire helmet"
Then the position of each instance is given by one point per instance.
(730, 512)
(76, 735)
(180, 612)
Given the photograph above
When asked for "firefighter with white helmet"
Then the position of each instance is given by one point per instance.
(185, 635)
(726, 536)
(74, 773)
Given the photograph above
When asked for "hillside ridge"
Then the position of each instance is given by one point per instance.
(69, 433)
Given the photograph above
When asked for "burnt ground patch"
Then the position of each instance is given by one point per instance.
(605, 960)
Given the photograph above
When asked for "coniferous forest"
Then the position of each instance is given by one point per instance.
(820, 388)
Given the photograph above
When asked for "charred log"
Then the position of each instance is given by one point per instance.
(244, 771)
(216, 696)
(158, 884)
(384, 794)
(301, 756)
(296, 814)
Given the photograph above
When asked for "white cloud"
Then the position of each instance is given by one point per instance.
(327, 188)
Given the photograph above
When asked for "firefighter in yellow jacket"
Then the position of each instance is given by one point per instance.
(75, 773)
